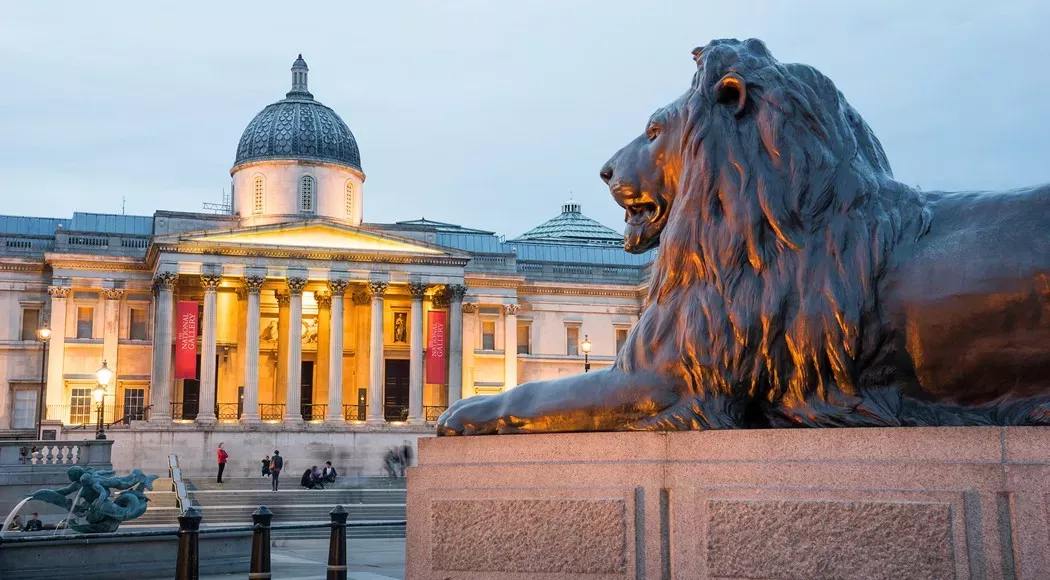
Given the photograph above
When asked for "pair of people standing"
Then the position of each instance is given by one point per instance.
(271, 465)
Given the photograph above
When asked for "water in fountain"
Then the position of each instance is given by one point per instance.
(18, 508)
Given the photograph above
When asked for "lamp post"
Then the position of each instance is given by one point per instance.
(44, 336)
(104, 375)
(585, 346)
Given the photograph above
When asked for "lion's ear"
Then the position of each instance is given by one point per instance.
(732, 89)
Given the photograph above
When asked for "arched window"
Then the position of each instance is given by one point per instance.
(258, 194)
(306, 194)
(348, 200)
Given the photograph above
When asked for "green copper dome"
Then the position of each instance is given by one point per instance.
(572, 226)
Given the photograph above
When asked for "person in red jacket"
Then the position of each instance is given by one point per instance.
(222, 455)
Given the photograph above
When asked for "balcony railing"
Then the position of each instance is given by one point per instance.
(395, 412)
(227, 411)
(184, 411)
(355, 412)
(313, 411)
(54, 453)
(431, 413)
(271, 411)
(112, 415)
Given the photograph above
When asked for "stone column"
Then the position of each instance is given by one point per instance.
(415, 353)
(160, 382)
(362, 300)
(111, 330)
(206, 412)
(335, 358)
(375, 367)
(324, 353)
(56, 350)
(293, 414)
(470, 330)
(510, 345)
(283, 301)
(250, 412)
(456, 292)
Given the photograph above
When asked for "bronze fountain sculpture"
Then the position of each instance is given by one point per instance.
(797, 284)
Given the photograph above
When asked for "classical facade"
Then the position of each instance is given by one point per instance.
(305, 313)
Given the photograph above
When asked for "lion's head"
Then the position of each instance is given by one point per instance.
(774, 208)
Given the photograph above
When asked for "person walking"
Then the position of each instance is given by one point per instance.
(276, 464)
(222, 456)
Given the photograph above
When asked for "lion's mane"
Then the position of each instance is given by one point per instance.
(765, 286)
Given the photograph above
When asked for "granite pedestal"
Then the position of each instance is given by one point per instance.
(969, 502)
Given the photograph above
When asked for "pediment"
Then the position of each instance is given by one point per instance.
(313, 236)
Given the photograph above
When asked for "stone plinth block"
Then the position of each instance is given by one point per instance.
(967, 502)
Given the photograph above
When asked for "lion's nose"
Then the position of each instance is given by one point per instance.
(606, 173)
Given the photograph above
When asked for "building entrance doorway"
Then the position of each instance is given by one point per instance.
(306, 392)
(395, 395)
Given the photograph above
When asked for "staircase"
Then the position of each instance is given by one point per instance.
(233, 502)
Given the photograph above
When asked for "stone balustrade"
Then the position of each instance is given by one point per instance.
(58, 454)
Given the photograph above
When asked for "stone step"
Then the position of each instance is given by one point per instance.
(242, 514)
(298, 496)
(207, 482)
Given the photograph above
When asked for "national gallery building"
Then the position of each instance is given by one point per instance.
(286, 311)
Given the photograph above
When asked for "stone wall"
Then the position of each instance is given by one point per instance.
(351, 452)
(925, 503)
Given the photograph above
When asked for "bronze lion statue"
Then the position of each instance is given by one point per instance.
(797, 283)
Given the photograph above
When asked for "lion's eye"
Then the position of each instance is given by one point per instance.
(652, 131)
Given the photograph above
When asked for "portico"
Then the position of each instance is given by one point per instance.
(278, 340)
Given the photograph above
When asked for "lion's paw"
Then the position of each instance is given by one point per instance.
(478, 415)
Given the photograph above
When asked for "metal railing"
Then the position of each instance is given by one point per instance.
(112, 414)
(432, 412)
(395, 412)
(184, 411)
(313, 411)
(227, 411)
(177, 485)
(355, 412)
(271, 411)
(187, 560)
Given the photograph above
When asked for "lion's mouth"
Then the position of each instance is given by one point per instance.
(639, 213)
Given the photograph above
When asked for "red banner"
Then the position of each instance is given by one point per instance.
(437, 374)
(186, 340)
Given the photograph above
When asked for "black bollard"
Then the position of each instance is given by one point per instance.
(187, 564)
(260, 569)
(337, 544)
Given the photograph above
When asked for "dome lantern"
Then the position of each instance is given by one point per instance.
(299, 74)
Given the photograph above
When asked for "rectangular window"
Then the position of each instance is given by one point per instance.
(135, 404)
(80, 407)
(24, 410)
(30, 323)
(572, 340)
(488, 335)
(85, 321)
(523, 339)
(137, 331)
(621, 338)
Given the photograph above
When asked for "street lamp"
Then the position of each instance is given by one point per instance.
(104, 375)
(43, 335)
(585, 346)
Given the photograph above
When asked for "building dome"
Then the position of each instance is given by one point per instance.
(298, 128)
(574, 227)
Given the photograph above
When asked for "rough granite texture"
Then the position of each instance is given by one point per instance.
(807, 540)
(566, 536)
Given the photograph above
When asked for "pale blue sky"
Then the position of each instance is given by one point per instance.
(485, 113)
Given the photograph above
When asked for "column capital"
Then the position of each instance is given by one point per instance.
(511, 309)
(59, 291)
(323, 298)
(456, 292)
(440, 298)
(360, 298)
(112, 293)
(165, 281)
(470, 307)
(377, 288)
(418, 290)
(254, 284)
(338, 287)
(211, 281)
(296, 285)
(283, 297)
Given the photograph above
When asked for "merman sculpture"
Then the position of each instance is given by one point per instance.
(97, 510)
